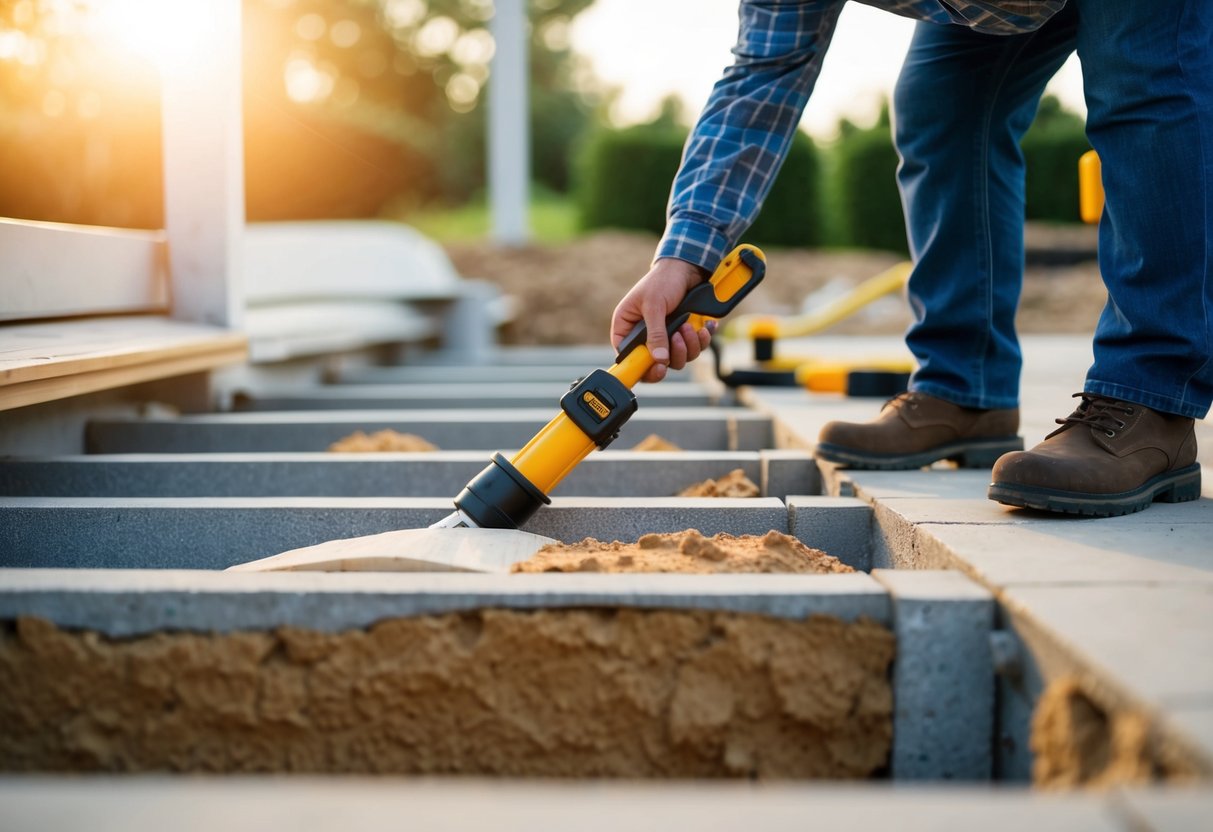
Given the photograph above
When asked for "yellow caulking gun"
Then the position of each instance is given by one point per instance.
(508, 492)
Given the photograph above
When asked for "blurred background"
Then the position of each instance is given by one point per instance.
(376, 109)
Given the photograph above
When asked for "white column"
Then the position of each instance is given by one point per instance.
(204, 163)
(508, 124)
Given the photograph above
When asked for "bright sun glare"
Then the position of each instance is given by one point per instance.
(159, 31)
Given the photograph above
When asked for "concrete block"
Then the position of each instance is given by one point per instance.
(689, 428)
(335, 804)
(627, 518)
(570, 355)
(215, 533)
(446, 396)
(945, 483)
(622, 473)
(943, 676)
(1057, 552)
(1165, 808)
(789, 471)
(131, 602)
(840, 526)
(1192, 725)
(1151, 641)
(439, 474)
(478, 374)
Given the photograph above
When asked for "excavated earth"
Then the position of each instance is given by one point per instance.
(1078, 743)
(686, 551)
(733, 484)
(382, 440)
(552, 693)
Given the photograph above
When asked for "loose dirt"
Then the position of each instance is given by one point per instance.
(687, 551)
(383, 440)
(653, 442)
(570, 290)
(555, 693)
(733, 484)
(1078, 743)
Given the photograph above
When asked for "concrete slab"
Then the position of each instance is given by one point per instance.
(788, 471)
(475, 374)
(979, 510)
(1194, 723)
(1175, 808)
(1084, 552)
(690, 428)
(235, 804)
(840, 526)
(423, 396)
(123, 603)
(943, 676)
(215, 533)
(583, 355)
(442, 473)
(1154, 641)
(934, 483)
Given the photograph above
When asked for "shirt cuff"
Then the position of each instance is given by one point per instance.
(695, 242)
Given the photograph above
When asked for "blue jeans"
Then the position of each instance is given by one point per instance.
(961, 105)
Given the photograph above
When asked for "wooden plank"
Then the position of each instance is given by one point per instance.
(45, 362)
(53, 270)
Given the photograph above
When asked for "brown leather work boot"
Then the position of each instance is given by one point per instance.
(1108, 458)
(915, 429)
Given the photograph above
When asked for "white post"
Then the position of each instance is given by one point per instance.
(204, 163)
(509, 115)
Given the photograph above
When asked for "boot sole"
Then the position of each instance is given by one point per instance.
(973, 454)
(1170, 487)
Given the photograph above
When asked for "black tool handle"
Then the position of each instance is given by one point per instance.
(700, 300)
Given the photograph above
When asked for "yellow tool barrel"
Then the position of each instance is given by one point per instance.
(506, 493)
(561, 444)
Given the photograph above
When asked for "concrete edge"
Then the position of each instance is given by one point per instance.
(121, 603)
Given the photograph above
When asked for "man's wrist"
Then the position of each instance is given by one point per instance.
(693, 241)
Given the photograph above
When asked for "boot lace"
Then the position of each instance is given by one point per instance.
(1098, 412)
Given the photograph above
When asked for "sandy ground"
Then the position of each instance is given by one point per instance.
(549, 693)
(568, 291)
(686, 551)
(383, 440)
(1078, 744)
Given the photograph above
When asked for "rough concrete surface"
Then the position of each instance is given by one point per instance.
(555, 693)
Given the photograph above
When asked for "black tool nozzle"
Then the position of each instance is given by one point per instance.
(500, 497)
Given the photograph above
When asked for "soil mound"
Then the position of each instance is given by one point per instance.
(384, 440)
(688, 551)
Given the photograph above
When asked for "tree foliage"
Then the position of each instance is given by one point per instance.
(347, 104)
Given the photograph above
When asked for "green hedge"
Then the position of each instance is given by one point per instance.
(1051, 152)
(623, 177)
(864, 190)
(623, 181)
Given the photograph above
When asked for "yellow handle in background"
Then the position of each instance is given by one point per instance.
(889, 281)
(1090, 187)
(558, 448)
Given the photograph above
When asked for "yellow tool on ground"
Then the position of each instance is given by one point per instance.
(876, 376)
(508, 492)
(1090, 187)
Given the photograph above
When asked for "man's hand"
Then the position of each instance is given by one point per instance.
(652, 298)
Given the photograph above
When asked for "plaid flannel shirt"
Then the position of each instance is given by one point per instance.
(739, 142)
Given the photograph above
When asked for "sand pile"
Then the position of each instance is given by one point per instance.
(687, 551)
(733, 484)
(553, 693)
(383, 440)
(1078, 743)
(653, 442)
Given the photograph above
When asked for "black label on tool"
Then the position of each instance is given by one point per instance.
(599, 404)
